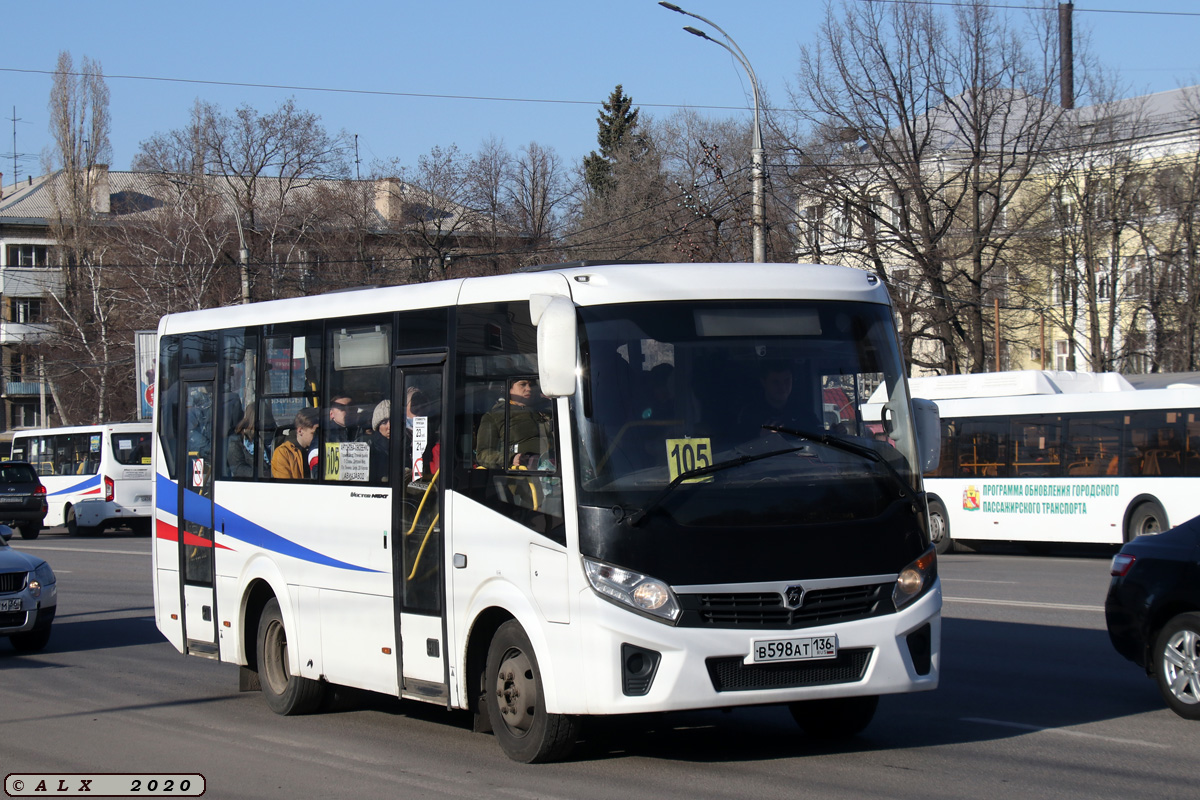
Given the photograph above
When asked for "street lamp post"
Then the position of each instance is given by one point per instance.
(758, 171)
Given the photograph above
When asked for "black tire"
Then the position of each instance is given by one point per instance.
(516, 702)
(835, 718)
(29, 530)
(285, 693)
(939, 528)
(1147, 519)
(75, 529)
(1177, 664)
(30, 641)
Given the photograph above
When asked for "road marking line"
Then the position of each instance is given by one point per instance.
(1039, 729)
(85, 550)
(1022, 604)
(977, 580)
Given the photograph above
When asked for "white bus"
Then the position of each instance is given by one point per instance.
(1044, 457)
(639, 535)
(96, 476)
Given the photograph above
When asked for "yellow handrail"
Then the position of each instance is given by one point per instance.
(428, 531)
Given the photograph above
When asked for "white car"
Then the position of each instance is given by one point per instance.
(28, 597)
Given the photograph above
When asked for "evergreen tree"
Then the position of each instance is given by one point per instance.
(618, 122)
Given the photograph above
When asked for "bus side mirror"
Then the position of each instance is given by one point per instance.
(554, 316)
(928, 424)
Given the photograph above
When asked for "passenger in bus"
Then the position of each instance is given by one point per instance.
(336, 429)
(528, 434)
(290, 460)
(380, 440)
(776, 404)
(239, 454)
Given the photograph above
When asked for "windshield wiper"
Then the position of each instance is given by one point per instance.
(858, 449)
(699, 472)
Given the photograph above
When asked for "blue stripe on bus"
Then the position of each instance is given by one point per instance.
(198, 509)
(92, 482)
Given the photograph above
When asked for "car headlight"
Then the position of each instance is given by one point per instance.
(914, 579)
(42, 577)
(633, 589)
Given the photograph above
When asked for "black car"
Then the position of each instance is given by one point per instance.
(1153, 612)
(22, 498)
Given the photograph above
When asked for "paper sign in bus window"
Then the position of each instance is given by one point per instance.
(685, 455)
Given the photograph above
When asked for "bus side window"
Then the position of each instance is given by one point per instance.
(511, 463)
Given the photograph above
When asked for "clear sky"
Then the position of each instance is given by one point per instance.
(419, 74)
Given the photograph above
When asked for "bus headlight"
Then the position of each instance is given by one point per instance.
(914, 579)
(633, 589)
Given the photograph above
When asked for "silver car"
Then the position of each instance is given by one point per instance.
(28, 597)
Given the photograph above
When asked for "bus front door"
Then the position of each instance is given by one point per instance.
(419, 552)
(196, 513)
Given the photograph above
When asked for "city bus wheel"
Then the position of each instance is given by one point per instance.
(1177, 664)
(285, 693)
(835, 718)
(75, 529)
(516, 701)
(939, 527)
(1148, 518)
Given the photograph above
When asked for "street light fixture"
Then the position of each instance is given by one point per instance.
(758, 172)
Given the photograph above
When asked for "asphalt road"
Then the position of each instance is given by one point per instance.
(1033, 703)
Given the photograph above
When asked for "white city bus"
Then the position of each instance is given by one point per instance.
(96, 476)
(629, 539)
(1043, 457)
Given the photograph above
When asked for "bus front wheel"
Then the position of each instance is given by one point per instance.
(285, 693)
(836, 717)
(939, 527)
(1148, 518)
(516, 701)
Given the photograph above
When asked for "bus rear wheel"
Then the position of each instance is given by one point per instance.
(1147, 519)
(516, 701)
(75, 529)
(939, 527)
(285, 693)
(836, 717)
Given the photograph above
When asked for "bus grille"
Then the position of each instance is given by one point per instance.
(766, 609)
(11, 582)
(729, 674)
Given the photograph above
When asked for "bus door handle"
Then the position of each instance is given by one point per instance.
(460, 561)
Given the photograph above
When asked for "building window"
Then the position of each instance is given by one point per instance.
(28, 255)
(25, 310)
(1061, 354)
(24, 415)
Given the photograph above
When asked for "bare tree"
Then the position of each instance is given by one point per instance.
(538, 192)
(87, 351)
(923, 131)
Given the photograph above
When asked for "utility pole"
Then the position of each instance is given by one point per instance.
(1066, 55)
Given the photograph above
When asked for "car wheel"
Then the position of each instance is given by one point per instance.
(30, 641)
(835, 718)
(1177, 664)
(516, 702)
(285, 693)
(939, 527)
(30, 530)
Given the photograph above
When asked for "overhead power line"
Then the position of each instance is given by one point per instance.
(1011, 7)
(371, 92)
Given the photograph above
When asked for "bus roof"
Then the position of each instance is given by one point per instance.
(586, 284)
(1017, 383)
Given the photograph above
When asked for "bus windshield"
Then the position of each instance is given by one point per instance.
(762, 399)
